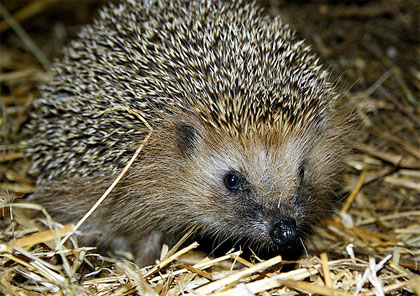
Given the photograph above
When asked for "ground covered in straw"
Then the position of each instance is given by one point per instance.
(370, 246)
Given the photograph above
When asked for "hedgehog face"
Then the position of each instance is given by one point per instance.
(250, 188)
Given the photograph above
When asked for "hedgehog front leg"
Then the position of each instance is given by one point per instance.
(147, 248)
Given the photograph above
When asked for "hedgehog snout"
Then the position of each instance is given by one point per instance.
(284, 232)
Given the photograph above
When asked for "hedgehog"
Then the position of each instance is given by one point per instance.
(247, 141)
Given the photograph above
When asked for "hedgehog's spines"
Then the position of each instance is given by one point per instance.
(238, 71)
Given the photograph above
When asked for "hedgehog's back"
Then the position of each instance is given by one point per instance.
(221, 61)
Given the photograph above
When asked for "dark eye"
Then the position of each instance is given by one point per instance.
(232, 182)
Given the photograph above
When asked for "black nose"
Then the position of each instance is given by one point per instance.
(284, 232)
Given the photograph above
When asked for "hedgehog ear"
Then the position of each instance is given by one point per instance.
(320, 124)
(187, 139)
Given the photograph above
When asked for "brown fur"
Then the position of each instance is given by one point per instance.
(165, 193)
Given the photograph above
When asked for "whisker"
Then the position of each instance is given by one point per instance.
(304, 247)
